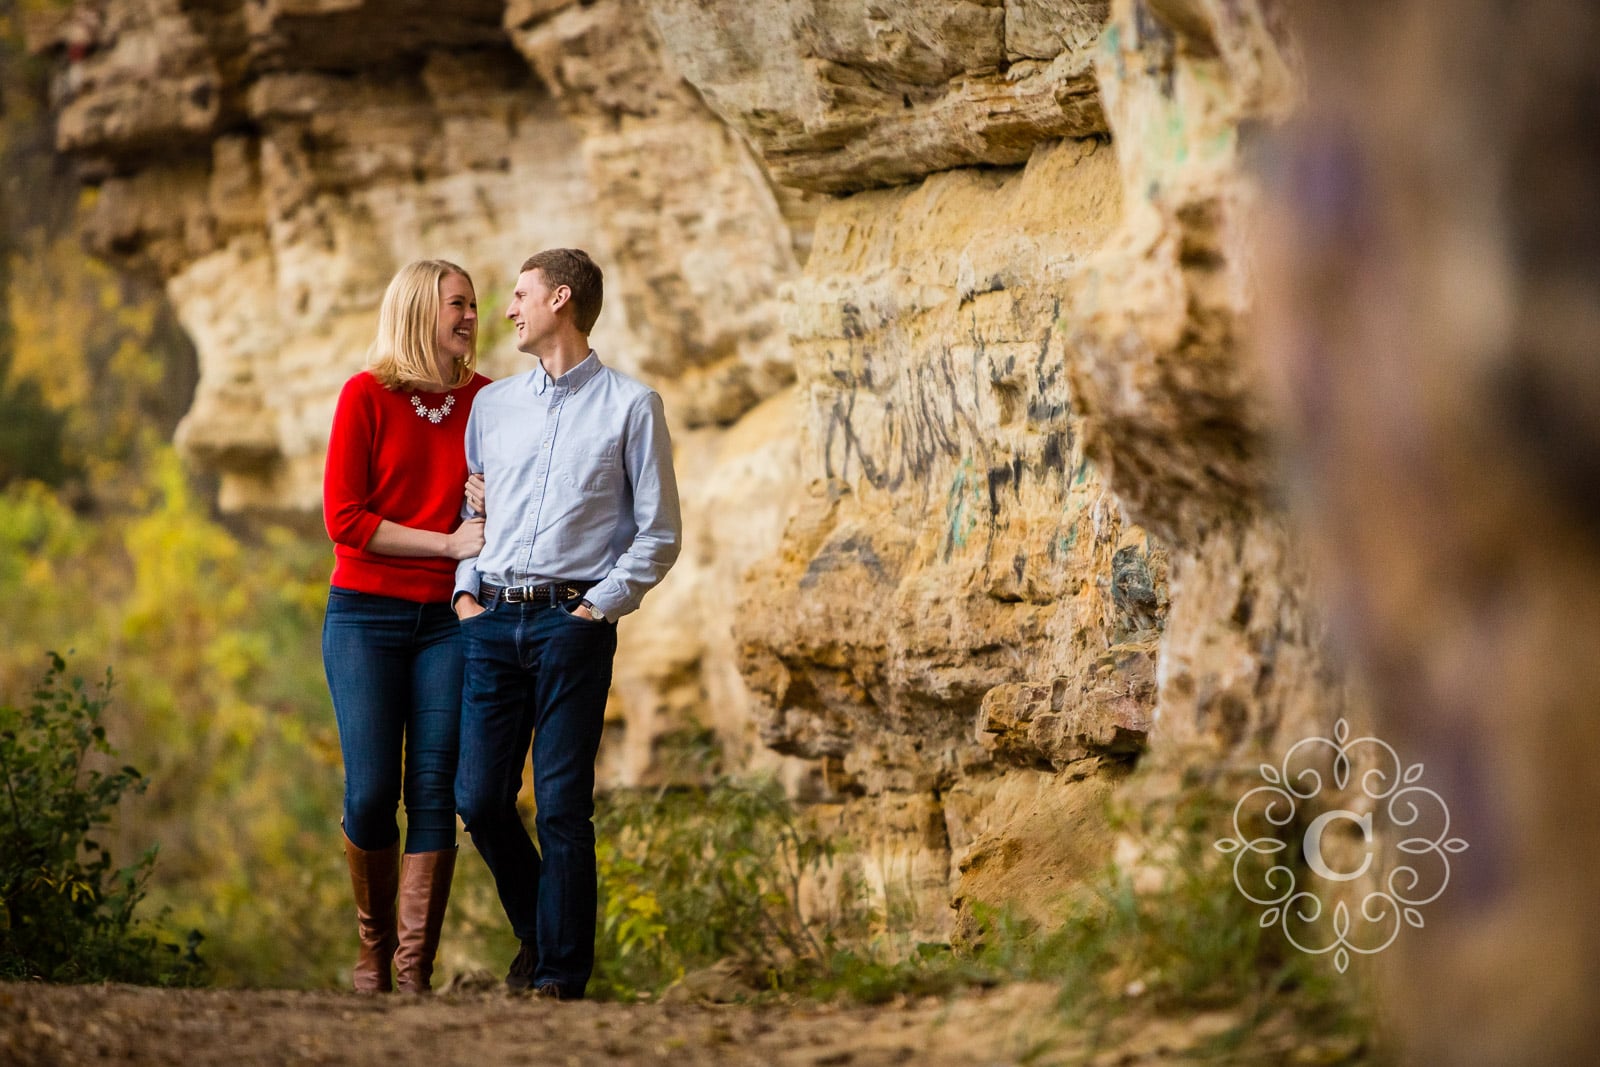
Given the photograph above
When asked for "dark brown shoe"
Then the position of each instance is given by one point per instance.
(374, 876)
(424, 891)
(520, 977)
(554, 991)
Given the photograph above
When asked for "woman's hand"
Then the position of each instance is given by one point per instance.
(466, 542)
(474, 489)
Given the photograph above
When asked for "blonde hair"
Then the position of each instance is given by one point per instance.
(405, 354)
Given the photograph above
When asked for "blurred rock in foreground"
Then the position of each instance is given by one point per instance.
(1432, 289)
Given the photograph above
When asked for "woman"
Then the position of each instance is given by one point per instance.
(392, 492)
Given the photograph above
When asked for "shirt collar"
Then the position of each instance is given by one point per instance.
(573, 380)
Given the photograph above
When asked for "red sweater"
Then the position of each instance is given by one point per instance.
(387, 462)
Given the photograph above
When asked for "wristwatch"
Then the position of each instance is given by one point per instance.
(599, 616)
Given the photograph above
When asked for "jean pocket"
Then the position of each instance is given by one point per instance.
(568, 607)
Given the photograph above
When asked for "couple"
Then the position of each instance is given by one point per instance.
(459, 633)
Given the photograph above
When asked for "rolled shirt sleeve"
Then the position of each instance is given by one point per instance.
(647, 456)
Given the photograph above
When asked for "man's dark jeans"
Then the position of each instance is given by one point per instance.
(394, 671)
(538, 673)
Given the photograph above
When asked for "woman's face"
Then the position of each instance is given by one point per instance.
(458, 318)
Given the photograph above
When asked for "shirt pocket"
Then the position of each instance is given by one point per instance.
(592, 467)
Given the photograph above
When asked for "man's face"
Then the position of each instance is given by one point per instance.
(533, 309)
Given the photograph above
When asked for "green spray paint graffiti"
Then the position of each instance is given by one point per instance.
(962, 504)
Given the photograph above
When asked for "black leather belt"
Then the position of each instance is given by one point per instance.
(548, 593)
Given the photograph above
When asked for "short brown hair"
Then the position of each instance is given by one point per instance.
(572, 268)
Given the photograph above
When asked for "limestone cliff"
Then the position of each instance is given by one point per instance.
(946, 301)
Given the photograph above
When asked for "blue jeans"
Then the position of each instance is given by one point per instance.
(394, 671)
(537, 674)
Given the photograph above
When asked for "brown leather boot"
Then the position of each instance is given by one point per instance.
(374, 877)
(424, 890)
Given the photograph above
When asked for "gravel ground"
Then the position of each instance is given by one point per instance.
(1015, 1024)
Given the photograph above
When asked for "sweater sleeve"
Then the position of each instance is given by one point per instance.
(347, 475)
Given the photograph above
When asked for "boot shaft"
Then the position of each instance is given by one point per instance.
(374, 880)
(425, 879)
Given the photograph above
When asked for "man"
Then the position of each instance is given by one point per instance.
(582, 521)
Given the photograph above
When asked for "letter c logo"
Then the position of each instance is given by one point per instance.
(1313, 843)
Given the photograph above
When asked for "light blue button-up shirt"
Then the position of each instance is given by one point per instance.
(578, 485)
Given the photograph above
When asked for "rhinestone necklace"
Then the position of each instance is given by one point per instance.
(433, 415)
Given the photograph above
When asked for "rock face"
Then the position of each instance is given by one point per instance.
(1433, 332)
(839, 96)
(945, 300)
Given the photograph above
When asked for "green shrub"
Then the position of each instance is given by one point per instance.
(221, 702)
(66, 909)
(693, 876)
(1184, 940)
(868, 975)
(1172, 937)
(31, 434)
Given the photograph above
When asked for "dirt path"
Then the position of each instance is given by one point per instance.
(65, 1025)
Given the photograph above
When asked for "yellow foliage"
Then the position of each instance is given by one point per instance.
(52, 333)
(213, 636)
(219, 699)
